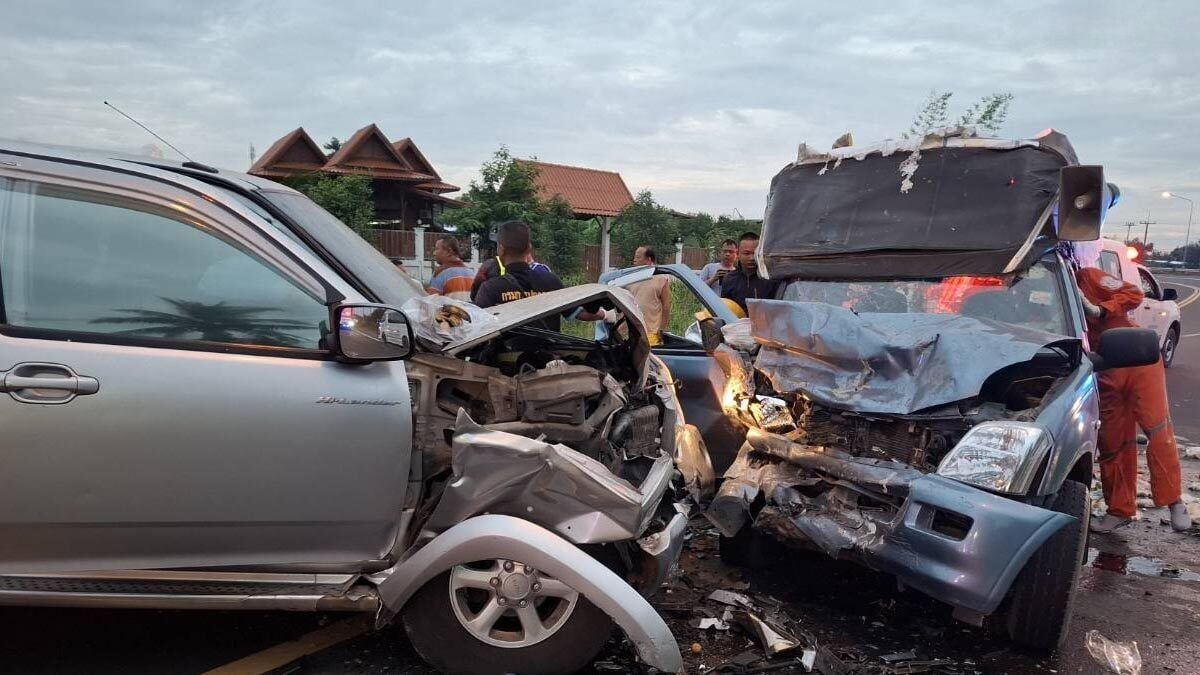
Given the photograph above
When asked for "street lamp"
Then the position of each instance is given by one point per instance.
(1187, 238)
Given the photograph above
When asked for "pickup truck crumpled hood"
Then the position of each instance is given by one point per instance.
(883, 363)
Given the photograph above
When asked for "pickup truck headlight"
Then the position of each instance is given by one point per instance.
(998, 456)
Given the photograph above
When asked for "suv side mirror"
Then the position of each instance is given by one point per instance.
(367, 332)
(1126, 348)
(1170, 295)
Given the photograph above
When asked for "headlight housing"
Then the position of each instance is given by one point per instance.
(999, 456)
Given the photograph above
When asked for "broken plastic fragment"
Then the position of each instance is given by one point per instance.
(1122, 658)
(732, 599)
(774, 638)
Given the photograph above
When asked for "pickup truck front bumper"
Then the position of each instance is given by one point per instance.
(956, 543)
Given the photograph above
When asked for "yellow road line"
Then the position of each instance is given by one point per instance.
(284, 653)
(1189, 299)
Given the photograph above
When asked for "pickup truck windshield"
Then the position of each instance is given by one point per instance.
(368, 265)
(1033, 298)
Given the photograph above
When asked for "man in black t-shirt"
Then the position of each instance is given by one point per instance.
(519, 280)
(744, 282)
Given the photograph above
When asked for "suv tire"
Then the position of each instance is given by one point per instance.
(441, 639)
(1043, 596)
(1170, 346)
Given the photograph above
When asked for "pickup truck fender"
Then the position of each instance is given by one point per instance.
(496, 536)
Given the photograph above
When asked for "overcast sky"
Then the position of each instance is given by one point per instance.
(700, 102)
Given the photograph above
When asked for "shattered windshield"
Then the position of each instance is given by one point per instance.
(1033, 298)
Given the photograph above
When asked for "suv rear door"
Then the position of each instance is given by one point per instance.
(168, 398)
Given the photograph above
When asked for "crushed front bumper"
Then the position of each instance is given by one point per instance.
(958, 544)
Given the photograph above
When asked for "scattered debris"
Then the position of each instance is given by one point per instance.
(1192, 452)
(774, 638)
(1122, 658)
(697, 648)
(909, 655)
(732, 599)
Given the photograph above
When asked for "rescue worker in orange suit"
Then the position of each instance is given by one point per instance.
(1129, 398)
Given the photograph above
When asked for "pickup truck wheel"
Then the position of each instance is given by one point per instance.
(1169, 346)
(501, 616)
(1043, 596)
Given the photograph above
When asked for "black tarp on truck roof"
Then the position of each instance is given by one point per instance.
(943, 206)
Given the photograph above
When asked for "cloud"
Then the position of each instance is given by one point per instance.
(700, 102)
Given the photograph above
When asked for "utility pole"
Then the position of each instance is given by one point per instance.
(1129, 231)
(1146, 233)
(252, 154)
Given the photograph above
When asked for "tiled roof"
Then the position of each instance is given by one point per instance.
(368, 152)
(295, 153)
(590, 192)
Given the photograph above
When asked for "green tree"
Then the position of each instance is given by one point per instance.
(558, 237)
(506, 190)
(988, 113)
(332, 145)
(645, 222)
(348, 198)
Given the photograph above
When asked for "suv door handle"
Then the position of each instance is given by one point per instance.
(46, 383)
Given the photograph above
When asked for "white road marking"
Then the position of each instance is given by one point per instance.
(1192, 335)
(284, 653)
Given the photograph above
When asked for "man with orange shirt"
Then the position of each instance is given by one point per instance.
(1129, 398)
(453, 277)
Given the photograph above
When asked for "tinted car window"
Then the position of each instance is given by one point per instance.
(87, 262)
(1111, 264)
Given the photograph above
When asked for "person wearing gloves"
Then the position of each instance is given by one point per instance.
(1129, 398)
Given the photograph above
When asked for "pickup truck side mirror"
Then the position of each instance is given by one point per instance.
(1126, 348)
(368, 332)
(1170, 295)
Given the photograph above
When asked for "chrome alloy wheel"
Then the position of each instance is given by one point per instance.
(506, 603)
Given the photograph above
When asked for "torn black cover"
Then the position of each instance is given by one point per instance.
(968, 210)
(883, 363)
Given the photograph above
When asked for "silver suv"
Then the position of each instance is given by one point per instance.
(212, 399)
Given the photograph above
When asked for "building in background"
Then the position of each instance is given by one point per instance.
(592, 193)
(407, 190)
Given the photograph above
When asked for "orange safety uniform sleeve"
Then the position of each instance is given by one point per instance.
(1117, 298)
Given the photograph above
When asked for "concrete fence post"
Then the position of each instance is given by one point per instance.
(474, 248)
(419, 247)
(679, 253)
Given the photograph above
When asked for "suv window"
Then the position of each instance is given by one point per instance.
(80, 261)
(1149, 287)
(1111, 264)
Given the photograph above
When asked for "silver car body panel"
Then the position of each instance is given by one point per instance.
(552, 485)
(214, 486)
(496, 536)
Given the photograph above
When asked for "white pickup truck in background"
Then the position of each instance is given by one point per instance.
(1158, 310)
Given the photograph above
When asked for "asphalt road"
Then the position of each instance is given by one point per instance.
(1142, 584)
(1183, 378)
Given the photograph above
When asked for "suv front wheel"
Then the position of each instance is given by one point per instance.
(1043, 596)
(501, 616)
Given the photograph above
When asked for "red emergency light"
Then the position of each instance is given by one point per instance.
(1135, 252)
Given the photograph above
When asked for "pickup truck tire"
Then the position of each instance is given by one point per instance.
(1170, 346)
(1042, 598)
(444, 642)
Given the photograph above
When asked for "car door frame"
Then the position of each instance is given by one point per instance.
(239, 226)
(700, 379)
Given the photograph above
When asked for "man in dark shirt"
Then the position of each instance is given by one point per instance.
(744, 282)
(519, 280)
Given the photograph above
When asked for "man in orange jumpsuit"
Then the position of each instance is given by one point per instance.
(1129, 398)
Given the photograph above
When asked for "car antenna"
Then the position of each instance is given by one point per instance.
(189, 164)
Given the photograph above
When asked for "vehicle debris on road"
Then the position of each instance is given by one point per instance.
(1122, 658)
